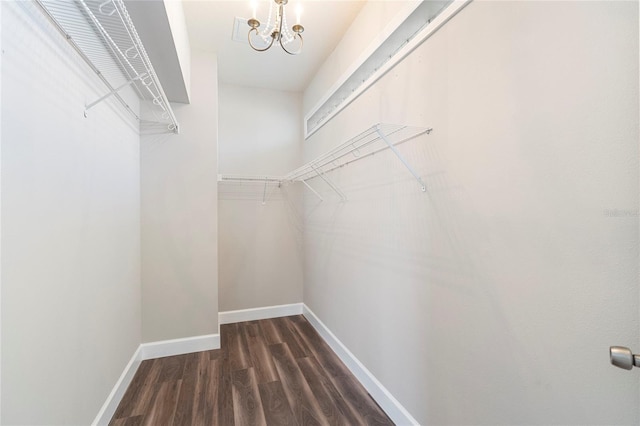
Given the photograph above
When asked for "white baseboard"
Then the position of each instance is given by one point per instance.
(230, 317)
(179, 346)
(113, 400)
(149, 351)
(378, 392)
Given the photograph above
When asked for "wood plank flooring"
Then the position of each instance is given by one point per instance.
(268, 372)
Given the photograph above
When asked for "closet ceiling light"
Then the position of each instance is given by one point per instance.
(276, 29)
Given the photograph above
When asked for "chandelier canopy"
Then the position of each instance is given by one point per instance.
(276, 29)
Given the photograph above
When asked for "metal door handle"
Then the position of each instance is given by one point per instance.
(623, 357)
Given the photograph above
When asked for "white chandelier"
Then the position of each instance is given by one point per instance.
(276, 29)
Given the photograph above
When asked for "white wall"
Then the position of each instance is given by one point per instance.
(179, 216)
(70, 229)
(0, 221)
(260, 244)
(493, 298)
(260, 130)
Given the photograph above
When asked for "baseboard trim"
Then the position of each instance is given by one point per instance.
(113, 400)
(149, 351)
(182, 346)
(378, 392)
(266, 312)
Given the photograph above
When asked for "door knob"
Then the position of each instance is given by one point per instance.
(623, 357)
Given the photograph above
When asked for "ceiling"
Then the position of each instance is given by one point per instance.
(210, 26)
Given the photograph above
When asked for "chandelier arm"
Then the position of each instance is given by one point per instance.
(299, 49)
(281, 11)
(277, 30)
(251, 44)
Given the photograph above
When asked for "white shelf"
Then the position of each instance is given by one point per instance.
(105, 38)
(413, 24)
(373, 140)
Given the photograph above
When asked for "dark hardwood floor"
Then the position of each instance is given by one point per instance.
(268, 372)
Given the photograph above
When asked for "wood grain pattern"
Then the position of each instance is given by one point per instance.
(132, 395)
(131, 401)
(259, 353)
(225, 397)
(128, 421)
(302, 401)
(270, 332)
(238, 355)
(357, 397)
(267, 372)
(335, 410)
(206, 390)
(172, 369)
(163, 408)
(185, 409)
(293, 341)
(321, 350)
(275, 405)
(247, 405)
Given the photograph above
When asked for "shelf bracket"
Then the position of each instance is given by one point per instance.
(328, 182)
(312, 190)
(264, 193)
(401, 158)
(112, 92)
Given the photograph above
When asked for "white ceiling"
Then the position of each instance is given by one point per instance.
(210, 27)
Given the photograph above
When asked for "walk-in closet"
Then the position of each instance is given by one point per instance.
(291, 212)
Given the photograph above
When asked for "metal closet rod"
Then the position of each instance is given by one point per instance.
(250, 178)
(254, 179)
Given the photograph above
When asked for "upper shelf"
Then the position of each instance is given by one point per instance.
(373, 140)
(104, 36)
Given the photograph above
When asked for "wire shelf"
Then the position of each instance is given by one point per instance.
(361, 146)
(373, 140)
(103, 34)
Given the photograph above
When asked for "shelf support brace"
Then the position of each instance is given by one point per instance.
(264, 193)
(112, 92)
(312, 190)
(328, 182)
(401, 158)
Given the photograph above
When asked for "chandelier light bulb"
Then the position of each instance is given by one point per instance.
(298, 13)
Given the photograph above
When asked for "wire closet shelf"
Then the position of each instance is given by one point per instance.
(104, 36)
(377, 138)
